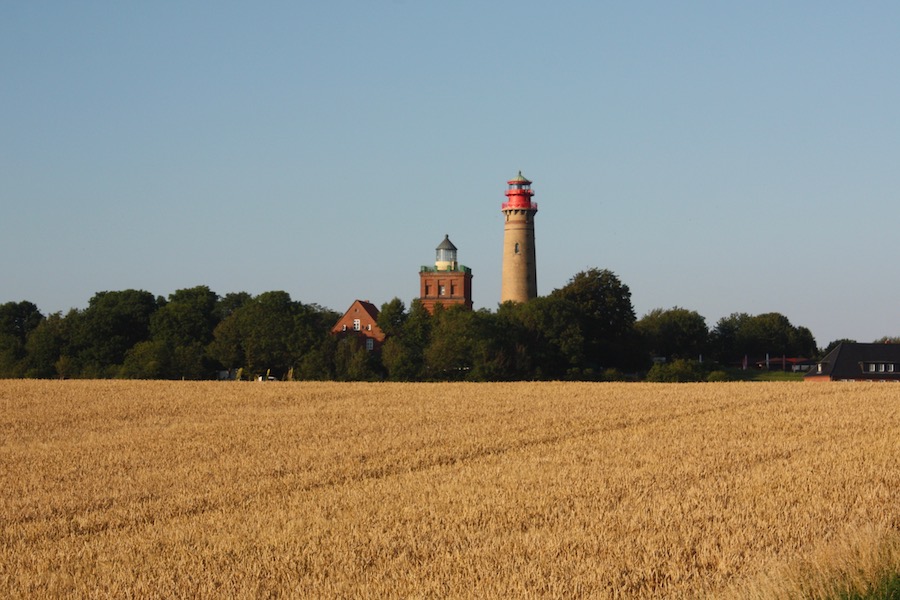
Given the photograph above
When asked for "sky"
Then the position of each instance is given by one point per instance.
(717, 156)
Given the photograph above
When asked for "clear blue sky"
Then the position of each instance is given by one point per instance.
(718, 156)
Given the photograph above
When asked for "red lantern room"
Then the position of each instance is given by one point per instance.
(519, 194)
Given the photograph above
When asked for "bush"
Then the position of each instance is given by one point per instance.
(677, 371)
(718, 376)
(613, 374)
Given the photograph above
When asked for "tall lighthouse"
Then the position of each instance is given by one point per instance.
(519, 280)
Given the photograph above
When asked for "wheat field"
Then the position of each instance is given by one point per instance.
(117, 489)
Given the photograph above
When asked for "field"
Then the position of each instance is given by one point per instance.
(525, 490)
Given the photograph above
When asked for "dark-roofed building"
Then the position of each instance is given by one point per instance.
(858, 362)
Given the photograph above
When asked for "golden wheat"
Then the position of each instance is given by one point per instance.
(556, 490)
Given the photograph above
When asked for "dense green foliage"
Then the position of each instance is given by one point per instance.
(585, 330)
(886, 589)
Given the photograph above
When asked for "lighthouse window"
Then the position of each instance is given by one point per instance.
(517, 247)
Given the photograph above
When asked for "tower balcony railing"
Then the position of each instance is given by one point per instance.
(519, 204)
(459, 268)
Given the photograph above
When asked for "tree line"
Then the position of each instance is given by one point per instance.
(585, 330)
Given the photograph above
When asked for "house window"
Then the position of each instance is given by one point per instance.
(819, 368)
(890, 367)
(881, 367)
(369, 327)
(370, 344)
(356, 325)
(871, 367)
(442, 291)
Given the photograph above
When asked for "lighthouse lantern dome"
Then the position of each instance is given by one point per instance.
(445, 255)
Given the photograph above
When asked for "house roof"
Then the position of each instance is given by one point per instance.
(847, 360)
(368, 309)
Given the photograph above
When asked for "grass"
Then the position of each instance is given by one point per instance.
(555, 490)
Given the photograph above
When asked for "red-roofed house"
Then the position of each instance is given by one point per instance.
(361, 319)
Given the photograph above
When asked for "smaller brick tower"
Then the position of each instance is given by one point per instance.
(519, 278)
(447, 282)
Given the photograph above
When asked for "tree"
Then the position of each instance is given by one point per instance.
(403, 353)
(271, 333)
(741, 335)
(258, 335)
(230, 302)
(112, 324)
(607, 320)
(392, 317)
(318, 364)
(449, 353)
(147, 360)
(551, 335)
(501, 348)
(802, 342)
(724, 343)
(352, 362)
(227, 346)
(47, 347)
(17, 321)
(182, 329)
(674, 333)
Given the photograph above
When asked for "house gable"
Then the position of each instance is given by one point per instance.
(361, 319)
